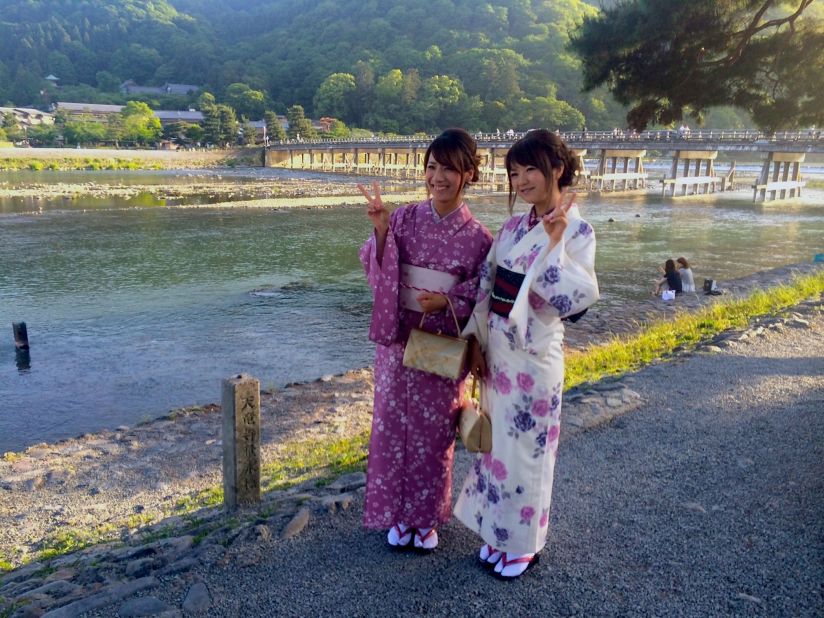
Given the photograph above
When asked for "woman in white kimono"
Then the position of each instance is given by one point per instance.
(539, 271)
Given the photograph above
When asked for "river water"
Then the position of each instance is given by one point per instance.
(134, 307)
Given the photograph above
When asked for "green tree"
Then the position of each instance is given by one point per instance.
(248, 132)
(206, 100)
(245, 101)
(338, 129)
(228, 125)
(14, 132)
(336, 96)
(107, 82)
(667, 58)
(42, 135)
(300, 127)
(136, 61)
(274, 130)
(84, 131)
(115, 128)
(212, 131)
(193, 132)
(140, 125)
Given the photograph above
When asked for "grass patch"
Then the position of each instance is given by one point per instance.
(85, 163)
(815, 183)
(685, 330)
(323, 460)
(11, 456)
(67, 541)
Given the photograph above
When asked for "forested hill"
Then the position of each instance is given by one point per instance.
(384, 64)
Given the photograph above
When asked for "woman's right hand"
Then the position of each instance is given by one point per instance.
(477, 362)
(375, 209)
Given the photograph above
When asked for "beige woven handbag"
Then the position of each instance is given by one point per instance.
(434, 352)
(474, 424)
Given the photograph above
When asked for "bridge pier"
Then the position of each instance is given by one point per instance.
(619, 170)
(780, 177)
(698, 174)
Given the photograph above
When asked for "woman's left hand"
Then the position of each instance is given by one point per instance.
(555, 222)
(432, 302)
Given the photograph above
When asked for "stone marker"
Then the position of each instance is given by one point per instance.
(241, 441)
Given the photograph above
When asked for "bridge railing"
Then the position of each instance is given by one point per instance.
(665, 136)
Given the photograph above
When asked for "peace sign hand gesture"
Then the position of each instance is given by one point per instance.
(555, 221)
(375, 210)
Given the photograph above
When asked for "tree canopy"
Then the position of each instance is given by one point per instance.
(668, 58)
(415, 65)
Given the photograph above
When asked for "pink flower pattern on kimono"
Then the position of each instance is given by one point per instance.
(498, 469)
(501, 381)
(409, 470)
(527, 513)
(544, 518)
(540, 407)
(525, 381)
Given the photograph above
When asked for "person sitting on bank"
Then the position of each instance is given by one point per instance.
(671, 279)
(684, 270)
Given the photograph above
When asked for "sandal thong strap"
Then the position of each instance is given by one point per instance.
(423, 537)
(522, 560)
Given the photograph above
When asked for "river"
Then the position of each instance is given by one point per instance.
(135, 306)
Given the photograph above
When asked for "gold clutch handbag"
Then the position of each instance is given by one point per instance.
(434, 352)
(474, 424)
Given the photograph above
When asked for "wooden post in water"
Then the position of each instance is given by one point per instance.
(21, 335)
(241, 441)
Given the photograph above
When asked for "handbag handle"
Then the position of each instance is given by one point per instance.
(454, 315)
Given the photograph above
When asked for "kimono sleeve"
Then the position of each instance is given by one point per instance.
(478, 324)
(383, 278)
(465, 294)
(565, 281)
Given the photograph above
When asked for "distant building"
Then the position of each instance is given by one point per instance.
(97, 111)
(181, 89)
(130, 87)
(171, 116)
(324, 125)
(27, 117)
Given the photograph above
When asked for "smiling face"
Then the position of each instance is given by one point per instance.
(529, 183)
(445, 183)
(542, 166)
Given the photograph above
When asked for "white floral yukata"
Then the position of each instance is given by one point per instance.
(506, 495)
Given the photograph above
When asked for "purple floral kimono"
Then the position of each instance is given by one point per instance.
(506, 495)
(409, 473)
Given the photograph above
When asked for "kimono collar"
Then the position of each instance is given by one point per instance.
(532, 219)
(438, 218)
(451, 222)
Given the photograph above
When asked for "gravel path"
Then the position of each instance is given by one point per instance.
(708, 500)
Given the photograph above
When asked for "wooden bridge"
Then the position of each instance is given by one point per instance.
(620, 158)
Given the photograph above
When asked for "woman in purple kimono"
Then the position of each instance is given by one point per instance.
(540, 271)
(416, 258)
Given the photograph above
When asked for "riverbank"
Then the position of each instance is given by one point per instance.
(200, 570)
(112, 484)
(102, 158)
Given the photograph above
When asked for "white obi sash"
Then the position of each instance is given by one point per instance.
(415, 280)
